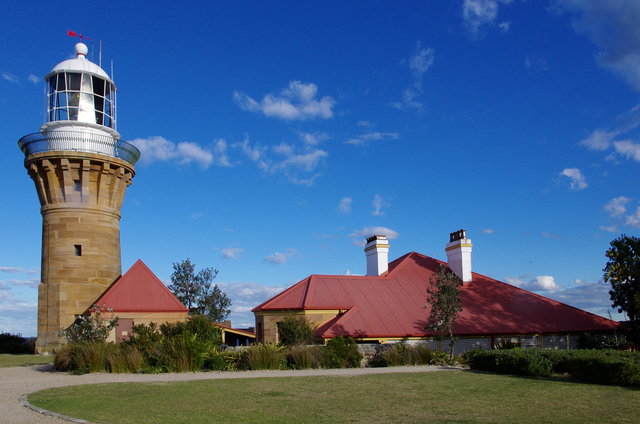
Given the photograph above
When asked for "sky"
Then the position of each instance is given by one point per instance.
(276, 136)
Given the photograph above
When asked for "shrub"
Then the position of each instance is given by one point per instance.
(442, 359)
(16, 344)
(214, 360)
(263, 357)
(593, 366)
(90, 328)
(303, 357)
(197, 325)
(295, 330)
(177, 347)
(341, 352)
(602, 341)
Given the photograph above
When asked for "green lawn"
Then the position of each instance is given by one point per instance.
(8, 360)
(442, 397)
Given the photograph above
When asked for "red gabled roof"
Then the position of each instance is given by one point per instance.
(139, 290)
(392, 305)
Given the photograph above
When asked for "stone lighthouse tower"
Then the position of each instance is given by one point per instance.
(81, 170)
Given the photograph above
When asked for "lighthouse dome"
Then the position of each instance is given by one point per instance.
(80, 93)
(80, 64)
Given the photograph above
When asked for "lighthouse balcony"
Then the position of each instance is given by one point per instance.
(78, 141)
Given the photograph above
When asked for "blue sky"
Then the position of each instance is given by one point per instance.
(276, 136)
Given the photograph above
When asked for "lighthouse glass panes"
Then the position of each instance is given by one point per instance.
(75, 96)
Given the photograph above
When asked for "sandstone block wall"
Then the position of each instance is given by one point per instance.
(80, 196)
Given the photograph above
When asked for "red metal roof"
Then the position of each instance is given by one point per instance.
(392, 305)
(139, 290)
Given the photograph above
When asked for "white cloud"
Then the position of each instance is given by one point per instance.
(480, 14)
(254, 153)
(18, 270)
(504, 26)
(617, 209)
(244, 297)
(359, 236)
(220, 149)
(231, 252)
(365, 138)
(602, 139)
(297, 164)
(419, 64)
(617, 206)
(13, 79)
(281, 258)
(296, 102)
(535, 63)
(576, 179)
(344, 206)
(378, 204)
(365, 124)
(549, 235)
(628, 148)
(33, 283)
(539, 283)
(599, 139)
(488, 231)
(633, 220)
(312, 139)
(613, 26)
(609, 228)
(157, 148)
(33, 79)
(589, 296)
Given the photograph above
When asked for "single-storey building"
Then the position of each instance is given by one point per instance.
(139, 297)
(389, 305)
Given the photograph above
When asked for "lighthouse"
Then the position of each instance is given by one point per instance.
(81, 170)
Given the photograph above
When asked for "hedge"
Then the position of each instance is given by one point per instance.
(593, 366)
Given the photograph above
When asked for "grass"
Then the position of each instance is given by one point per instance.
(9, 360)
(443, 397)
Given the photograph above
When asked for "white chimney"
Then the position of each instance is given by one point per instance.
(377, 251)
(459, 255)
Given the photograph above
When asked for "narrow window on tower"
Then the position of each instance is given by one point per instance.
(78, 248)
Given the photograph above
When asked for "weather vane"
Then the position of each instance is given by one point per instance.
(75, 34)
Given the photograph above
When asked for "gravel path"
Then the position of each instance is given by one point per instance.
(16, 382)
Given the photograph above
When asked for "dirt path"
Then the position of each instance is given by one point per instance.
(19, 381)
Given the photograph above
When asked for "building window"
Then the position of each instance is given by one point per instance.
(78, 248)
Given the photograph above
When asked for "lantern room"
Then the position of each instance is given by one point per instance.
(79, 90)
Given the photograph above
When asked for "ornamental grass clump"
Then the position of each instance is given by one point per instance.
(263, 357)
(303, 357)
(82, 358)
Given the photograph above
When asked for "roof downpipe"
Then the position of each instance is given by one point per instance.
(459, 255)
(377, 252)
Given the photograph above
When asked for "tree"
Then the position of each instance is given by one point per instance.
(623, 273)
(194, 290)
(443, 298)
